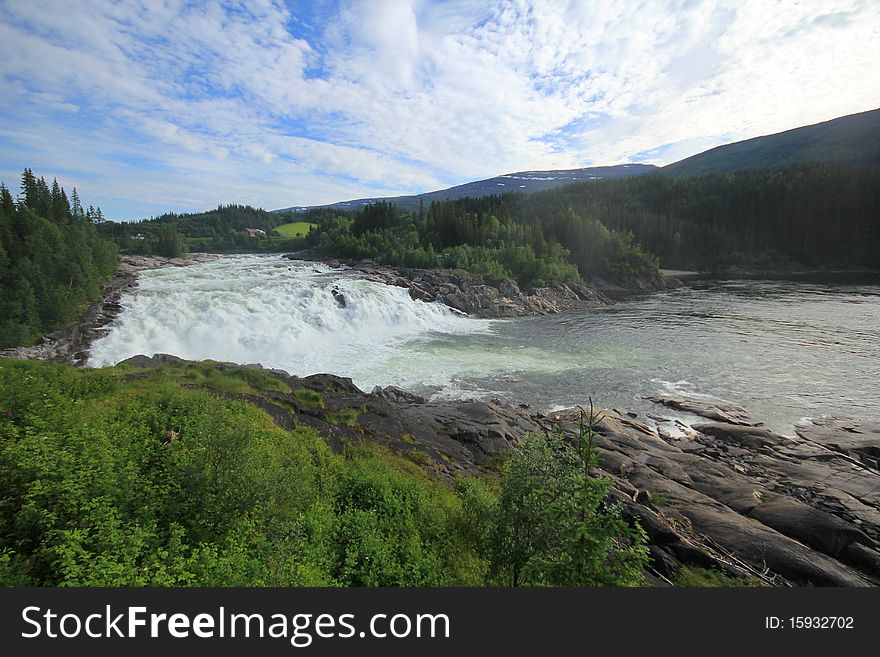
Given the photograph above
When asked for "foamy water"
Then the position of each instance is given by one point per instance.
(281, 313)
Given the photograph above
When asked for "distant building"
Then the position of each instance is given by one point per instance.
(138, 237)
(255, 232)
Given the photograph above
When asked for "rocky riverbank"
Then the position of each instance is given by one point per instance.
(472, 294)
(71, 344)
(725, 494)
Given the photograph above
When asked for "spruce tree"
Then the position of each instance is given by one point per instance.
(7, 204)
(76, 206)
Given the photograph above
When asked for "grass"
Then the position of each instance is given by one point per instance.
(419, 457)
(346, 416)
(659, 499)
(493, 464)
(309, 398)
(229, 379)
(294, 229)
(697, 576)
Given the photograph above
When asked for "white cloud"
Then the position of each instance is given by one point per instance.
(193, 105)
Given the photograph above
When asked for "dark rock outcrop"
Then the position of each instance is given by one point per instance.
(782, 506)
(339, 297)
(473, 294)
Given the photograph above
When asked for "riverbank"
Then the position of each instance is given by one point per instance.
(71, 343)
(722, 494)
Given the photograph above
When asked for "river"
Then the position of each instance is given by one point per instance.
(784, 350)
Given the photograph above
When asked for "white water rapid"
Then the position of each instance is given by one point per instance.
(281, 313)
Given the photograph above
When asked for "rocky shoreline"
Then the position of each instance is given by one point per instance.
(485, 298)
(721, 494)
(71, 343)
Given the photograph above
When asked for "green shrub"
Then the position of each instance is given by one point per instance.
(553, 524)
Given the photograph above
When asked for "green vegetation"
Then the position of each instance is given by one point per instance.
(52, 261)
(659, 499)
(135, 477)
(107, 478)
(222, 230)
(853, 139)
(346, 416)
(309, 398)
(490, 236)
(552, 524)
(295, 229)
(805, 216)
(697, 576)
(230, 379)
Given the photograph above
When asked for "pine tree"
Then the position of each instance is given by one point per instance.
(76, 207)
(49, 266)
(29, 194)
(43, 204)
(7, 204)
(65, 204)
(58, 208)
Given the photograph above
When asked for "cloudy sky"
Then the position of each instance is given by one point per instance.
(169, 105)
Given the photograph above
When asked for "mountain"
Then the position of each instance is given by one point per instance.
(853, 139)
(522, 181)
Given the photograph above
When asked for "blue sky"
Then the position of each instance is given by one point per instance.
(153, 106)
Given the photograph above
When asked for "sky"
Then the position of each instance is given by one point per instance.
(165, 105)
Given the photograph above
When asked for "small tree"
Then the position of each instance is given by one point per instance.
(170, 243)
(555, 525)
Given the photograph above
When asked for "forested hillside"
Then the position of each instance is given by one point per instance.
(803, 216)
(220, 230)
(853, 139)
(799, 217)
(52, 260)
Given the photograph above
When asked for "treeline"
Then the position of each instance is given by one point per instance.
(492, 236)
(52, 260)
(814, 216)
(216, 231)
(804, 216)
(109, 479)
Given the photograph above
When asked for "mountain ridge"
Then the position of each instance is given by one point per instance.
(850, 139)
(517, 181)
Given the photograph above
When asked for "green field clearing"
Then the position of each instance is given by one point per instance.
(293, 229)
